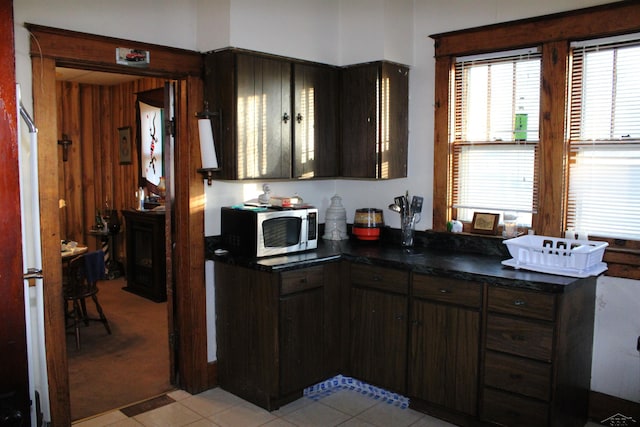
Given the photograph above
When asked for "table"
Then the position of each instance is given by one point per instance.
(69, 254)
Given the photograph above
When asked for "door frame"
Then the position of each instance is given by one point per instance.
(186, 302)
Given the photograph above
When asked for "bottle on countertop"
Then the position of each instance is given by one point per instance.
(140, 198)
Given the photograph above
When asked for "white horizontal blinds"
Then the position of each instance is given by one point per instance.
(604, 140)
(495, 134)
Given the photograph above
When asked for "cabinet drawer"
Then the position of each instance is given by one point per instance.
(381, 278)
(300, 280)
(518, 375)
(520, 337)
(511, 410)
(447, 290)
(522, 303)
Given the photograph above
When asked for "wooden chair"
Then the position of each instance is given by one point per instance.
(83, 274)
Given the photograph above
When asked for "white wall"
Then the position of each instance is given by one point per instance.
(616, 361)
(213, 24)
(341, 32)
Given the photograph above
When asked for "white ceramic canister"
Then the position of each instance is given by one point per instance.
(335, 220)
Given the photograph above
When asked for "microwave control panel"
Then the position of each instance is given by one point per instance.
(312, 225)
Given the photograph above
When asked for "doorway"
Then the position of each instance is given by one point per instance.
(98, 177)
(53, 48)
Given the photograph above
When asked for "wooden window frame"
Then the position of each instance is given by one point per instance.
(553, 33)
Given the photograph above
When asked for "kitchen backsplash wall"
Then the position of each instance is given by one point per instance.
(355, 195)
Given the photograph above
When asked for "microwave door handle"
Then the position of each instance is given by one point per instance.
(304, 233)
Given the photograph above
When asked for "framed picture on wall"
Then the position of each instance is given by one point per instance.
(124, 138)
(485, 223)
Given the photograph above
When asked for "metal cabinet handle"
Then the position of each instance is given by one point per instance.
(299, 118)
(519, 302)
(444, 291)
(285, 118)
(376, 278)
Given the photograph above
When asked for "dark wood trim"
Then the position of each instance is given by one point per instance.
(44, 108)
(88, 51)
(189, 250)
(441, 158)
(60, 47)
(603, 406)
(550, 162)
(599, 21)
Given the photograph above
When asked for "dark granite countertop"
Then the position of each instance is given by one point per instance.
(442, 254)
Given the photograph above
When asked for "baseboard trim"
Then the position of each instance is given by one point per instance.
(212, 374)
(603, 407)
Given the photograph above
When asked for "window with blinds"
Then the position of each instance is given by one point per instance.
(495, 134)
(604, 138)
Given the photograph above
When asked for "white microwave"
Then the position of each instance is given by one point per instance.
(260, 232)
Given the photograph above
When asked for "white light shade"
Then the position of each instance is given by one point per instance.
(207, 147)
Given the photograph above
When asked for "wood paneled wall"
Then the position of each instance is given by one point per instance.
(92, 176)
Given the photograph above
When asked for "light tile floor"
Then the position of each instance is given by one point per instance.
(218, 408)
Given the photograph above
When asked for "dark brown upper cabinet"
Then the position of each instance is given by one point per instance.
(252, 93)
(374, 130)
(315, 130)
(279, 116)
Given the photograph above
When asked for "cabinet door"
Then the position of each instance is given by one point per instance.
(443, 361)
(394, 121)
(301, 340)
(359, 110)
(263, 117)
(375, 111)
(379, 338)
(315, 122)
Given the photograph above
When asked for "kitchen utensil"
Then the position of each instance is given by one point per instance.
(399, 200)
(416, 204)
(394, 207)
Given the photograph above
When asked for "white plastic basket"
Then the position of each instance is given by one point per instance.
(567, 257)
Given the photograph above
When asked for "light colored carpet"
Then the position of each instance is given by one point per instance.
(128, 366)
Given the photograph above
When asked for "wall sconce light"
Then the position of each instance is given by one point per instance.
(207, 145)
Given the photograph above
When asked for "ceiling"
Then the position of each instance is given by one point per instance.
(93, 77)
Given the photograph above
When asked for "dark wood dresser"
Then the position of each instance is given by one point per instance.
(146, 263)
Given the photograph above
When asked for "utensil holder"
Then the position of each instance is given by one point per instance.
(407, 229)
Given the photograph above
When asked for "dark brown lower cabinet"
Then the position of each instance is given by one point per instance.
(275, 331)
(445, 337)
(378, 344)
(537, 356)
(301, 330)
(461, 350)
